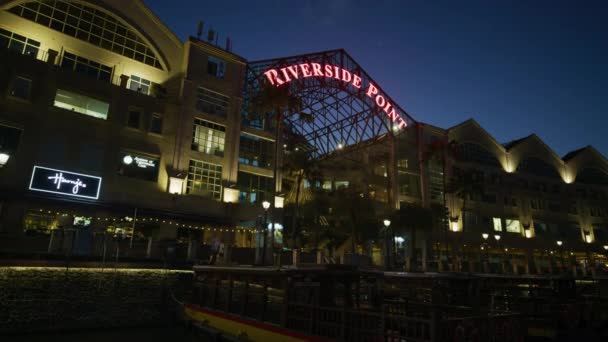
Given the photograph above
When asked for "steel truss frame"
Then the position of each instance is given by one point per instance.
(343, 116)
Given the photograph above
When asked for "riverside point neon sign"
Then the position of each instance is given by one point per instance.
(278, 77)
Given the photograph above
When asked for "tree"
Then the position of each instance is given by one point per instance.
(412, 217)
(299, 165)
(358, 211)
(277, 103)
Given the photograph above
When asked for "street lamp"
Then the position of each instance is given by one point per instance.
(559, 243)
(606, 247)
(387, 223)
(485, 236)
(3, 159)
(265, 205)
(497, 237)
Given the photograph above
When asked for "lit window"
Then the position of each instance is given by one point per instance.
(326, 185)
(156, 124)
(140, 85)
(81, 104)
(21, 44)
(204, 179)
(341, 185)
(253, 188)
(255, 151)
(134, 118)
(208, 137)
(512, 226)
(87, 67)
(216, 67)
(95, 26)
(497, 224)
(21, 88)
(211, 102)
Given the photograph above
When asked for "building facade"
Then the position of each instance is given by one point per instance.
(112, 124)
(102, 94)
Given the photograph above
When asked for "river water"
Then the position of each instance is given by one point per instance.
(155, 334)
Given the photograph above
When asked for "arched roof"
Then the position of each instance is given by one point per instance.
(112, 25)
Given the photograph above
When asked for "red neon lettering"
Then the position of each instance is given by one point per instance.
(293, 69)
(346, 75)
(387, 107)
(328, 71)
(316, 69)
(393, 115)
(284, 71)
(371, 90)
(271, 75)
(380, 101)
(337, 74)
(357, 81)
(305, 70)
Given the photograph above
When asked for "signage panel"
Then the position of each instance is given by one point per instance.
(139, 166)
(65, 183)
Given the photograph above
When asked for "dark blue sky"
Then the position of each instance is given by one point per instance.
(517, 67)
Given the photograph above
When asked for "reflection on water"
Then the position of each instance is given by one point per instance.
(157, 334)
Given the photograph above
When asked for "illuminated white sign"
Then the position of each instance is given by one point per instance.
(66, 183)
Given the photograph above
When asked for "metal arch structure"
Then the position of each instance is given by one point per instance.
(342, 115)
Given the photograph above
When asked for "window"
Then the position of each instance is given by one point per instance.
(510, 201)
(475, 153)
(204, 179)
(9, 140)
(134, 118)
(489, 198)
(95, 26)
(21, 88)
(326, 185)
(540, 228)
(208, 137)
(497, 221)
(512, 226)
(216, 67)
(409, 185)
(538, 167)
(255, 151)
(402, 164)
(341, 185)
(436, 180)
(140, 85)
(87, 67)
(254, 188)
(211, 102)
(156, 124)
(81, 104)
(21, 44)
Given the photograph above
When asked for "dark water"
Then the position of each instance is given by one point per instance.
(154, 334)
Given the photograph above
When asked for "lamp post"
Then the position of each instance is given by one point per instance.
(387, 224)
(485, 237)
(265, 205)
(497, 238)
(561, 253)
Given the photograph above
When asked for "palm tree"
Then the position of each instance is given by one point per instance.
(358, 210)
(300, 165)
(277, 102)
(445, 151)
(466, 185)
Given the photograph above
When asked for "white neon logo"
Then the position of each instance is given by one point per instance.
(58, 179)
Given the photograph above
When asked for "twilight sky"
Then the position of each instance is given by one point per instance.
(517, 67)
